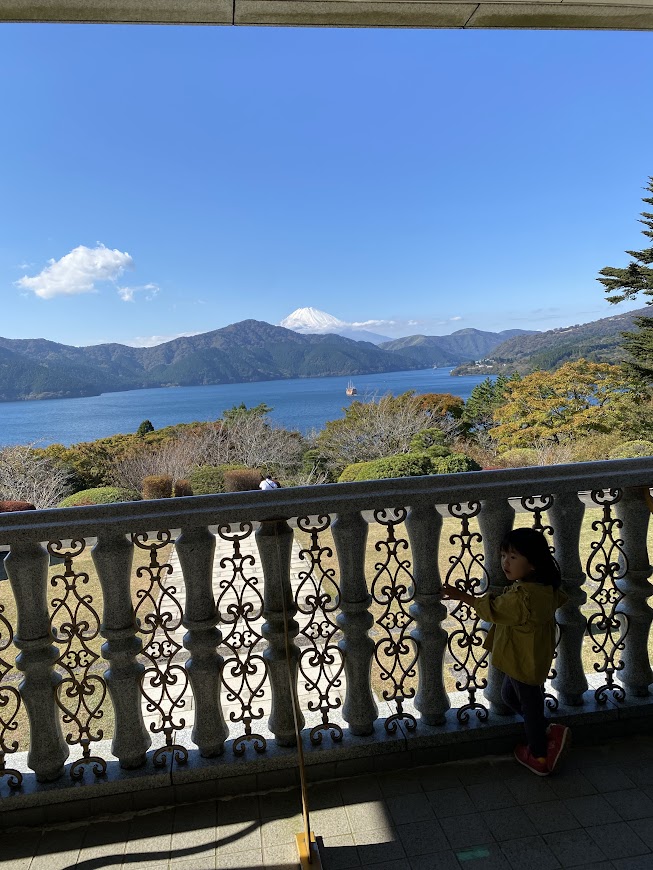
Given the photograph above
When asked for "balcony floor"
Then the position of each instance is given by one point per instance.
(487, 814)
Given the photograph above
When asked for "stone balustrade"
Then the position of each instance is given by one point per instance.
(183, 664)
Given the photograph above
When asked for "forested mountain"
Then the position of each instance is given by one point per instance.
(442, 350)
(248, 351)
(598, 341)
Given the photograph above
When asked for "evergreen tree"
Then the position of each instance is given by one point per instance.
(626, 283)
(145, 428)
(637, 277)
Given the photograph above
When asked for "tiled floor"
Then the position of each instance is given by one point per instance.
(595, 814)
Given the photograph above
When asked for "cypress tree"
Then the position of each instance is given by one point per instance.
(626, 283)
(637, 277)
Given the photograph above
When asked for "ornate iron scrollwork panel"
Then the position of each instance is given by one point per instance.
(318, 598)
(81, 693)
(10, 704)
(159, 616)
(240, 605)
(537, 505)
(606, 564)
(392, 588)
(465, 643)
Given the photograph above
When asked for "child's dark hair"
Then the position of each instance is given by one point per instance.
(533, 545)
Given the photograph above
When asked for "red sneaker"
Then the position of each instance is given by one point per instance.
(524, 756)
(558, 741)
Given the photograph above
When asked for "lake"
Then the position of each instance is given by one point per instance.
(299, 404)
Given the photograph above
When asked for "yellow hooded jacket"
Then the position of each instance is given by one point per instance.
(522, 638)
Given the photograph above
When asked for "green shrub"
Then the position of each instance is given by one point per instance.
(632, 449)
(518, 457)
(182, 488)
(157, 486)
(595, 446)
(435, 452)
(100, 495)
(208, 479)
(456, 462)
(241, 480)
(427, 438)
(404, 465)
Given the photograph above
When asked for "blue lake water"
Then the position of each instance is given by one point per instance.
(299, 404)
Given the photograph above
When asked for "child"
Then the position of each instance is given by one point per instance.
(522, 639)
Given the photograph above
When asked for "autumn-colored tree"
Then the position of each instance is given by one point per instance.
(580, 397)
(440, 404)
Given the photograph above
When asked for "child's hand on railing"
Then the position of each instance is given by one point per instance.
(453, 593)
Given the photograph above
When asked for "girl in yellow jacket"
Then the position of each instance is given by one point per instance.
(522, 640)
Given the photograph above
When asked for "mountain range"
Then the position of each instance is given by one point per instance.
(247, 351)
(253, 350)
(598, 341)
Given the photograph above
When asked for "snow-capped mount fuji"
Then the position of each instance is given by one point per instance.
(312, 321)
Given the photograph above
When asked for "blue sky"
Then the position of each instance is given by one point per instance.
(161, 180)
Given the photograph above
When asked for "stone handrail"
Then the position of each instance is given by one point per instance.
(347, 619)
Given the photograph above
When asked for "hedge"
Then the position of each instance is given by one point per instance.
(456, 462)
(404, 465)
(208, 479)
(632, 449)
(100, 495)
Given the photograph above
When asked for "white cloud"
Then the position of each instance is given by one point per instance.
(366, 324)
(127, 293)
(153, 340)
(458, 317)
(77, 272)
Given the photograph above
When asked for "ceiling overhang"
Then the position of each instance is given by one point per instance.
(518, 14)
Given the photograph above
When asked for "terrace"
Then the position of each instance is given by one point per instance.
(152, 668)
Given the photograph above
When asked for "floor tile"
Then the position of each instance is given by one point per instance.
(400, 783)
(491, 795)
(377, 846)
(551, 816)
(470, 830)
(631, 804)
(435, 861)
(572, 848)
(339, 853)
(529, 853)
(618, 841)
(571, 784)
(608, 777)
(420, 838)
(363, 788)
(644, 830)
(372, 815)
(409, 808)
(239, 837)
(451, 802)
(487, 857)
(509, 823)
(250, 859)
(58, 849)
(592, 809)
(641, 862)
(530, 789)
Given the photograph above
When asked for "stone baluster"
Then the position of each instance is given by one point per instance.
(196, 548)
(424, 525)
(112, 557)
(27, 568)
(495, 520)
(355, 620)
(566, 516)
(634, 512)
(274, 539)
